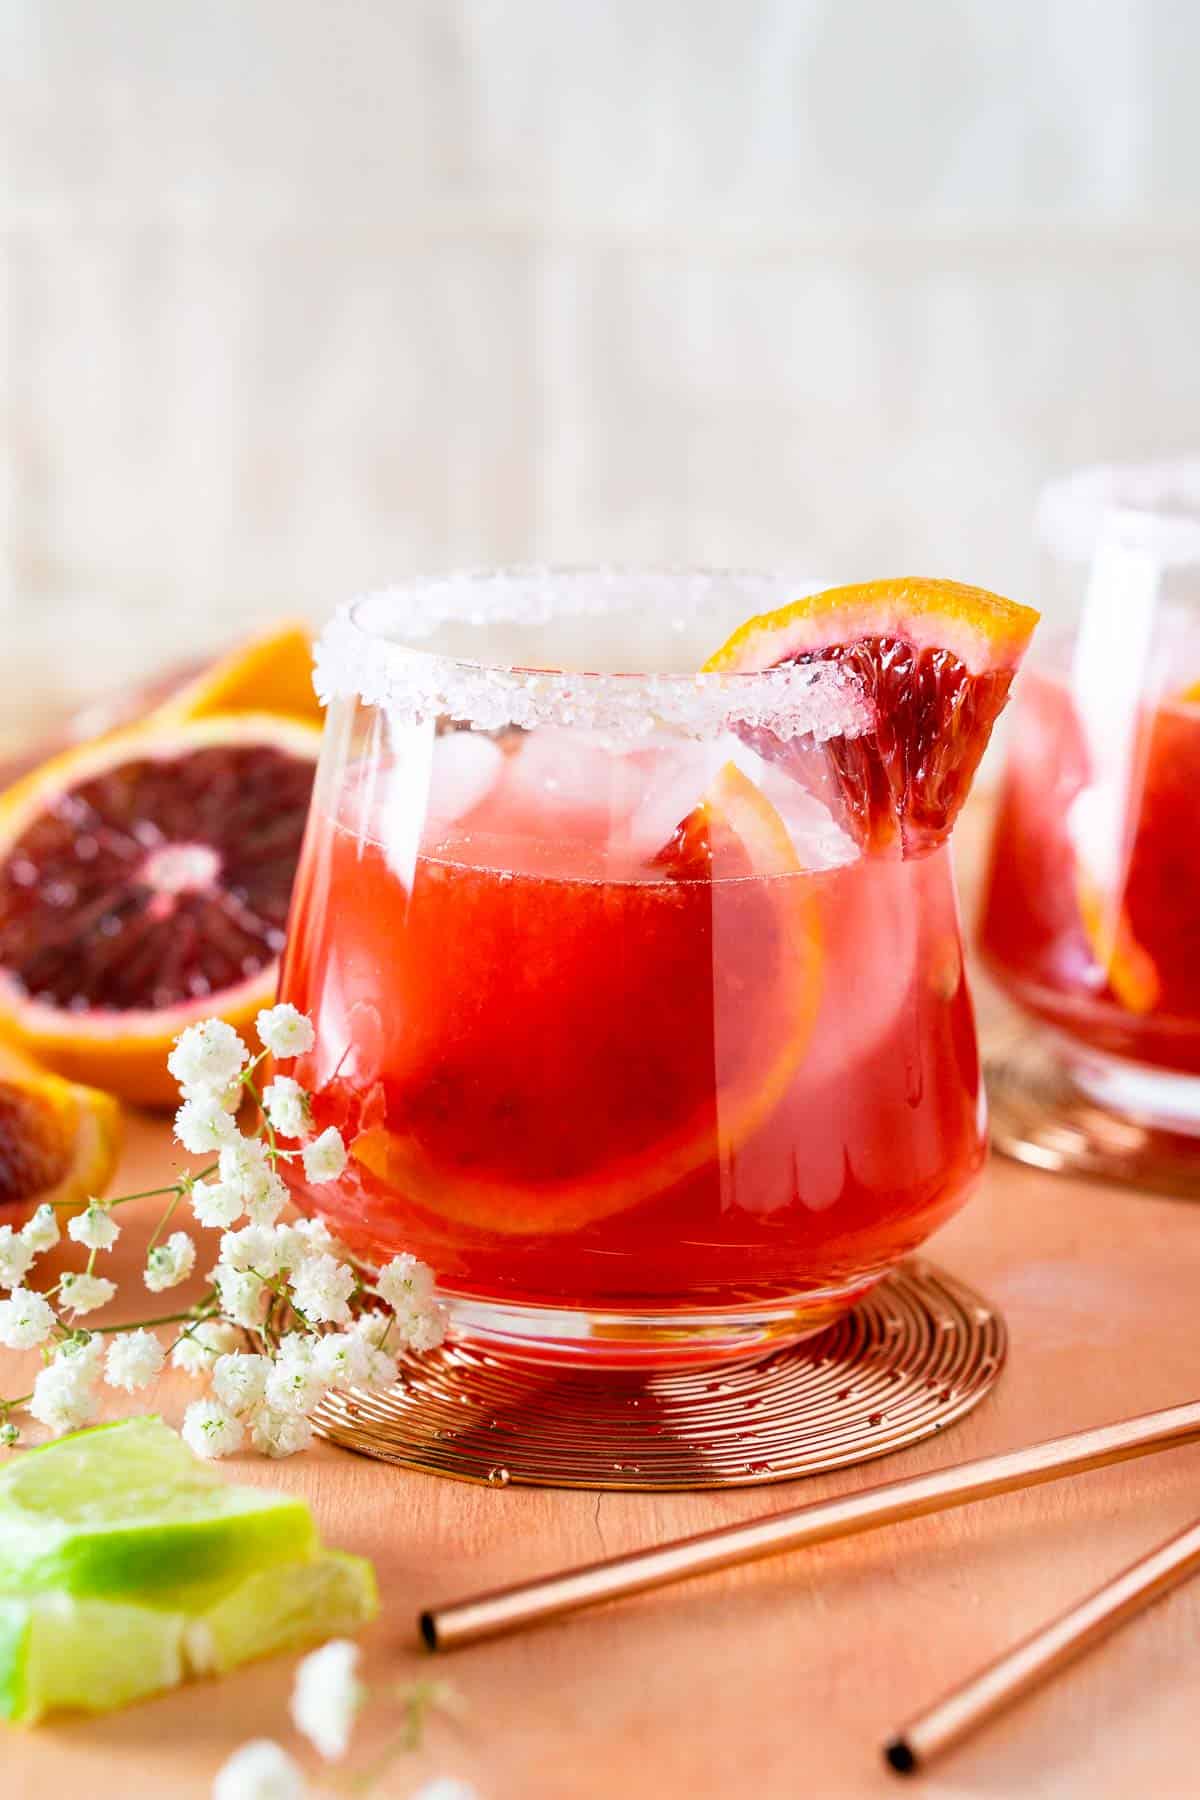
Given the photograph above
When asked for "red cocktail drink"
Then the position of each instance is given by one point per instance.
(1116, 966)
(1091, 917)
(631, 1032)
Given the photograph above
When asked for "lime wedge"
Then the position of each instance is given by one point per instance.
(126, 1511)
(63, 1653)
(60, 1653)
(282, 1608)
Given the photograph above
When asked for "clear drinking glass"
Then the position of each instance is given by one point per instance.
(1091, 920)
(625, 1037)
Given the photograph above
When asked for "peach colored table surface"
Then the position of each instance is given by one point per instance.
(780, 1679)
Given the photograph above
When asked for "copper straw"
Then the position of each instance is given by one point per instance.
(1030, 1663)
(512, 1608)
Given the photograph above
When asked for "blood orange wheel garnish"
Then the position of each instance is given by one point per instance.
(933, 659)
(144, 883)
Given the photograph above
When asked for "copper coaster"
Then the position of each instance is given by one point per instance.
(1040, 1117)
(916, 1354)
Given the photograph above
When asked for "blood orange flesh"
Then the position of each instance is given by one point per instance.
(145, 881)
(156, 882)
(933, 659)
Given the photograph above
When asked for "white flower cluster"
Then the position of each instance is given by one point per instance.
(327, 1697)
(289, 1313)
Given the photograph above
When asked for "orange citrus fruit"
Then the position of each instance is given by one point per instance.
(703, 1077)
(269, 673)
(58, 1141)
(144, 883)
(933, 659)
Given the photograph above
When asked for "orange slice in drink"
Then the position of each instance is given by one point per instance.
(650, 1028)
(144, 883)
(1145, 939)
(58, 1142)
(933, 659)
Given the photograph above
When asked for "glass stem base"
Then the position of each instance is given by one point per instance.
(685, 1338)
(1056, 1106)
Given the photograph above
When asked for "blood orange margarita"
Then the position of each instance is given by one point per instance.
(1114, 964)
(642, 1026)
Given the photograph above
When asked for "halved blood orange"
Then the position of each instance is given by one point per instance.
(935, 661)
(144, 883)
(58, 1141)
(542, 1098)
(269, 673)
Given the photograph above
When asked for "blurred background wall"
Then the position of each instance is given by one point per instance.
(297, 297)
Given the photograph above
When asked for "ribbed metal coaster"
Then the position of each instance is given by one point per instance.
(916, 1354)
(1039, 1117)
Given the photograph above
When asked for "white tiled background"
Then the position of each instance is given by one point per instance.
(298, 296)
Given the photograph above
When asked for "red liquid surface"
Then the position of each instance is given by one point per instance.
(1035, 930)
(570, 1079)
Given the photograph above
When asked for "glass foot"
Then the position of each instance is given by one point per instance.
(592, 1339)
(1056, 1108)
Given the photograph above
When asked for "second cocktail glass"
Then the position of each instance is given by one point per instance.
(1091, 920)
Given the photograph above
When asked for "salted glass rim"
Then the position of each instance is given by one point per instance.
(372, 652)
(1150, 506)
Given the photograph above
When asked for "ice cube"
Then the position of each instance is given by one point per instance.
(466, 767)
(559, 774)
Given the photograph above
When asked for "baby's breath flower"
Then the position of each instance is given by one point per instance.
(202, 1125)
(285, 1032)
(341, 1359)
(280, 1434)
(83, 1351)
(373, 1327)
(404, 1283)
(134, 1359)
(262, 1248)
(243, 1297)
(210, 1055)
(83, 1293)
(322, 1287)
(327, 1696)
(16, 1254)
(197, 1351)
(260, 1770)
(266, 1206)
(216, 1205)
(381, 1371)
(319, 1239)
(245, 1166)
(41, 1232)
(325, 1158)
(170, 1263)
(209, 1430)
(26, 1320)
(239, 1380)
(422, 1328)
(94, 1228)
(64, 1395)
(286, 1105)
(294, 1386)
(9, 1435)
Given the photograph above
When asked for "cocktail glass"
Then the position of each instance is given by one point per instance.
(1091, 918)
(626, 1036)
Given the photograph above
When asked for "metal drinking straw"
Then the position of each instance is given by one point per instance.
(1031, 1663)
(510, 1609)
